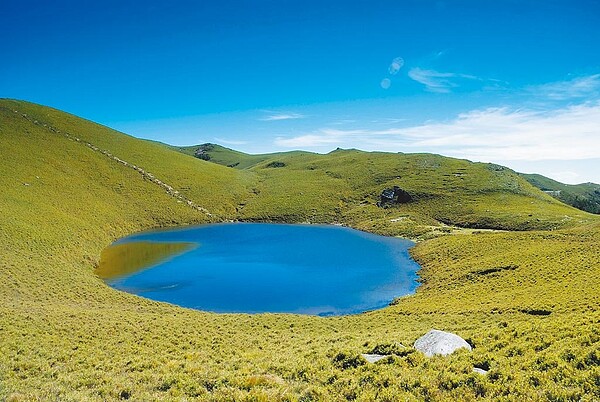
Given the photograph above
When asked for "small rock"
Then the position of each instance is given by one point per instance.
(479, 371)
(440, 343)
(373, 357)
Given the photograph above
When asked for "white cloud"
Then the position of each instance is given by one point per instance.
(323, 137)
(388, 120)
(567, 176)
(275, 116)
(343, 122)
(229, 142)
(485, 135)
(436, 81)
(569, 133)
(580, 87)
(565, 171)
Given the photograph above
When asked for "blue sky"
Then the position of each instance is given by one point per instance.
(510, 82)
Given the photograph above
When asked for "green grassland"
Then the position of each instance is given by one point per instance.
(344, 186)
(504, 265)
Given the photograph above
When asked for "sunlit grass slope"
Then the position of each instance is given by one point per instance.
(344, 186)
(195, 179)
(527, 300)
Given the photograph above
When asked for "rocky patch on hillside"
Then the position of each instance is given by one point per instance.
(393, 196)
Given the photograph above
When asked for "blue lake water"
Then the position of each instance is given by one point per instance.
(257, 267)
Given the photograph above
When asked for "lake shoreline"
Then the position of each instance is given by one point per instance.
(388, 261)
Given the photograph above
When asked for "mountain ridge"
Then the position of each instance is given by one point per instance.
(584, 196)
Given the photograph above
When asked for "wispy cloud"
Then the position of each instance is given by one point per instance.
(342, 122)
(580, 87)
(501, 133)
(275, 116)
(485, 135)
(324, 136)
(436, 81)
(229, 142)
(387, 120)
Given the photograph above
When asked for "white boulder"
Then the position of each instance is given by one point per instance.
(373, 357)
(440, 343)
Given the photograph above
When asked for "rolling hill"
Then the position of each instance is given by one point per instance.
(345, 186)
(584, 196)
(70, 187)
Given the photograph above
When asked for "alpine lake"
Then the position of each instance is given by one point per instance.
(262, 267)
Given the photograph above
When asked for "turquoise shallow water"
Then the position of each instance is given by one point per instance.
(257, 267)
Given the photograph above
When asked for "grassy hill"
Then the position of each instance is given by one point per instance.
(228, 157)
(584, 196)
(345, 185)
(70, 187)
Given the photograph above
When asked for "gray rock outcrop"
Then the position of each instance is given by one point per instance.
(440, 343)
(392, 196)
(202, 154)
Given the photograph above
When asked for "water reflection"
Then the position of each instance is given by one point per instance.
(126, 258)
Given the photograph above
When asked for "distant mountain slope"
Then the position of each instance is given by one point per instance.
(229, 157)
(345, 186)
(585, 196)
